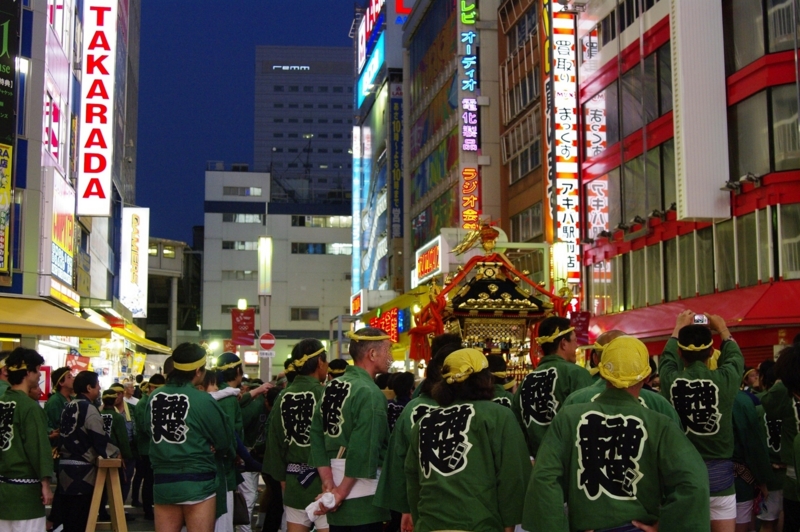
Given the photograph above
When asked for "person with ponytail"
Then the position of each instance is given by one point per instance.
(467, 463)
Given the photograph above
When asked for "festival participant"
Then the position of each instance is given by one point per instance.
(26, 462)
(402, 384)
(648, 398)
(541, 393)
(62, 380)
(771, 508)
(782, 401)
(254, 417)
(350, 426)
(143, 466)
(391, 492)
(230, 375)
(336, 368)
(617, 465)
(115, 427)
(83, 440)
(188, 430)
(467, 463)
(126, 411)
(289, 437)
(498, 369)
(752, 467)
(704, 400)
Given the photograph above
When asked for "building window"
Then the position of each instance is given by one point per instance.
(527, 225)
(672, 290)
(325, 106)
(277, 105)
(278, 120)
(294, 121)
(322, 89)
(305, 248)
(524, 28)
(705, 254)
(308, 88)
(790, 240)
(601, 113)
(278, 88)
(241, 191)
(323, 135)
(168, 252)
(322, 121)
(152, 251)
(747, 250)
(688, 284)
(322, 221)
(726, 256)
(294, 106)
(240, 245)
(784, 127)
(748, 135)
(294, 88)
(292, 135)
(278, 135)
(304, 314)
(337, 135)
(744, 30)
(338, 89)
(239, 275)
(243, 218)
(226, 309)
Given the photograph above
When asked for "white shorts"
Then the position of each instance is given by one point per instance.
(191, 503)
(23, 525)
(773, 506)
(300, 517)
(723, 508)
(744, 512)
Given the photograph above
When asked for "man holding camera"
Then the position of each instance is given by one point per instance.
(704, 400)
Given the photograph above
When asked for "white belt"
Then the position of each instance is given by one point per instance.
(364, 487)
(790, 472)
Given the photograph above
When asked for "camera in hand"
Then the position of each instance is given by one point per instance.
(700, 319)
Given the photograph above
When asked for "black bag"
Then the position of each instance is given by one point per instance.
(241, 515)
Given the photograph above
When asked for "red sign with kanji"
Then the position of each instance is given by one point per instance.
(243, 326)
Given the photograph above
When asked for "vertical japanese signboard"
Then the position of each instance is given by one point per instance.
(396, 173)
(134, 260)
(96, 140)
(63, 240)
(561, 125)
(243, 326)
(469, 191)
(9, 50)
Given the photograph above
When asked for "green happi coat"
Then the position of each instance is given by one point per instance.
(352, 414)
(117, 431)
(140, 425)
(4, 386)
(649, 399)
(24, 454)
(391, 492)
(185, 448)
(542, 393)
(704, 399)
(52, 408)
(467, 467)
(252, 420)
(749, 446)
(230, 405)
(502, 396)
(615, 461)
(289, 439)
(771, 434)
(780, 404)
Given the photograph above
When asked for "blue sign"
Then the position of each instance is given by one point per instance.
(370, 73)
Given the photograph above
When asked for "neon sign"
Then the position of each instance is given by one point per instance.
(429, 260)
(389, 323)
(469, 190)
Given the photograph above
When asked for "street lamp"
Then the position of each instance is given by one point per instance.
(242, 304)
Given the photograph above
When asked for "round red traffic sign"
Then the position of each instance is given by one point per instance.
(266, 341)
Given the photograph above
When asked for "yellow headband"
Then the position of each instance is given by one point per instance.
(359, 338)
(12, 369)
(229, 366)
(500, 374)
(510, 384)
(746, 373)
(695, 347)
(595, 346)
(61, 378)
(155, 385)
(110, 393)
(189, 366)
(300, 362)
(463, 363)
(2, 363)
(336, 371)
(541, 340)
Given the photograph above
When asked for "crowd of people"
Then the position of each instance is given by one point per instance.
(696, 442)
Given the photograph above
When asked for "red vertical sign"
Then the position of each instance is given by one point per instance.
(243, 326)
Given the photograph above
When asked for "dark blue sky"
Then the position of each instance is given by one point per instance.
(196, 90)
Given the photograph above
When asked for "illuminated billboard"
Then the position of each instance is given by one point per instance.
(63, 236)
(134, 260)
(96, 140)
(366, 82)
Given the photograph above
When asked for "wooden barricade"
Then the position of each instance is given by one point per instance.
(108, 477)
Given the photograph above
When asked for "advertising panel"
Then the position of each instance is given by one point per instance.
(431, 260)
(355, 267)
(358, 303)
(432, 49)
(243, 326)
(133, 258)
(396, 181)
(63, 235)
(366, 83)
(388, 322)
(469, 189)
(96, 140)
(5, 207)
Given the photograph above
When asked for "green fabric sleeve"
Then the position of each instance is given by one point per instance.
(581, 378)
(545, 496)
(513, 467)
(120, 436)
(367, 440)
(391, 493)
(669, 365)
(245, 399)
(411, 467)
(731, 364)
(274, 459)
(37, 444)
(774, 400)
(318, 456)
(53, 408)
(685, 483)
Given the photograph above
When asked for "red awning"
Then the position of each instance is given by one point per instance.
(764, 305)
